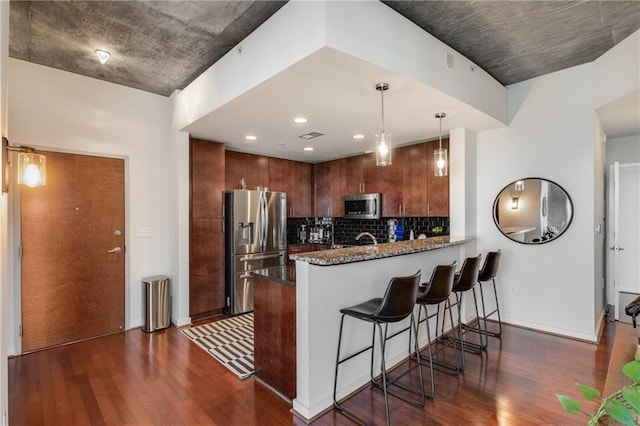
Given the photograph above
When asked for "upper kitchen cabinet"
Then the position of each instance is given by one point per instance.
(294, 178)
(206, 241)
(254, 169)
(207, 184)
(330, 186)
(364, 177)
(386, 180)
(355, 173)
(413, 161)
(437, 186)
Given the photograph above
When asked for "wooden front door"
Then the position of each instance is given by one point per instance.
(72, 270)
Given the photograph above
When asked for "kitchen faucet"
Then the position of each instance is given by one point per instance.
(368, 234)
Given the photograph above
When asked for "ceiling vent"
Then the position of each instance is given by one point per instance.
(311, 135)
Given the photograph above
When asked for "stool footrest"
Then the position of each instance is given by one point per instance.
(470, 347)
(483, 332)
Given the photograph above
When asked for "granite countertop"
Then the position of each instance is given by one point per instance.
(282, 274)
(371, 252)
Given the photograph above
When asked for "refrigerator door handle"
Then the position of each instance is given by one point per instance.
(260, 221)
(267, 256)
(266, 221)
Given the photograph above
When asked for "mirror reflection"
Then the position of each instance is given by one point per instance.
(533, 211)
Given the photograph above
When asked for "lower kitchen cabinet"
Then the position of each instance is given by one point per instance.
(275, 334)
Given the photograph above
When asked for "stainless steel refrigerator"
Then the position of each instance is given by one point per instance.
(255, 238)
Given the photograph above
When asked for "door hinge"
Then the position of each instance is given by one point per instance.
(20, 330)
(20, 251)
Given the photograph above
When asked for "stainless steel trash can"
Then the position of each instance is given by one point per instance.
(156, 301)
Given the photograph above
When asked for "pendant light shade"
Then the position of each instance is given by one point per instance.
(440, 154)
(383, 139)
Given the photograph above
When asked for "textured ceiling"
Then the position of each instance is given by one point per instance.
(518, 40)
(160, 46)
(156, 46)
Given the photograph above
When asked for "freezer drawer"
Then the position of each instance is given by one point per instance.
(240, 290)
(251, 262)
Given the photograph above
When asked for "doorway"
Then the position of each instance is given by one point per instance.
(72, 251)
(623, 236)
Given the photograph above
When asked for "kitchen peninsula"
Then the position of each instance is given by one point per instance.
(327, 281)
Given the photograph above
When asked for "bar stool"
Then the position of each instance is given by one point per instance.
(436, 291)
(396, 305)
(489, 272)
(466, 280)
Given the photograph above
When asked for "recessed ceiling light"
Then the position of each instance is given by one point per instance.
(308, 148)
(103, 56)
(251, 138)
(300, 120)
(358, 136)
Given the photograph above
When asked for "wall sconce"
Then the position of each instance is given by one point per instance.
(32, 166)
(518, 188)
(514, 203)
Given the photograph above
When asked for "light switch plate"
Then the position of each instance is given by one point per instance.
(143, 232)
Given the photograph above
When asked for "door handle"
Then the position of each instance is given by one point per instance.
(616, 248)
(266, 256)
(115, 250)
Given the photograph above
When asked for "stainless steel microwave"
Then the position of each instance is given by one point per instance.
(363, 206)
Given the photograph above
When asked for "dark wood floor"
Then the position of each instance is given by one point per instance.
(135, 378)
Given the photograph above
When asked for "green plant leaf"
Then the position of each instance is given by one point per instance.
(619, 412)
(632, 370)
(632, 396)
(588, 392)
(569, 404)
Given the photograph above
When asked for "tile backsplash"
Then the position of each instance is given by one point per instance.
(344, 231)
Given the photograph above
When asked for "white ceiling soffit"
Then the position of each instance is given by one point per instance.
(621, 117)
(336, 93)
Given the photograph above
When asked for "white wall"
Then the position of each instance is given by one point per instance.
(550, 135)
(4, 223)
(599, 236)
(60, 111)
(617, 71)
(180, 211)
(623, 150)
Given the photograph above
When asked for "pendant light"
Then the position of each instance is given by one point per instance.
(383, 140)
(440, 154)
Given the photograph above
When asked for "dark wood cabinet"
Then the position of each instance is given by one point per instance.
(387, 181)
(413, 161)
(294, 178)
(364, 177)
(206, 240)
(409, 186)
(254, 169)
(437, 186)
(355, 173)
(275, 335)
(329, 187)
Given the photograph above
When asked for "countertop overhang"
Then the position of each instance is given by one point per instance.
(372, 252)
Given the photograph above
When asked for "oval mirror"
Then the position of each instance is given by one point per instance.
(533, 211)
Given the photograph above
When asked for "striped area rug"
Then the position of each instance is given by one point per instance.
(230, 341)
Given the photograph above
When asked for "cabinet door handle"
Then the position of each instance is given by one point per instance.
(400, 209)
(428, 208)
